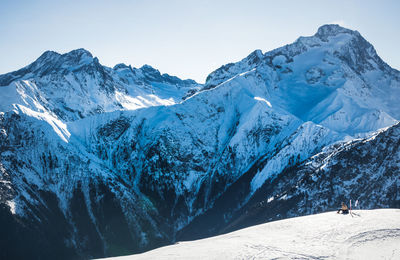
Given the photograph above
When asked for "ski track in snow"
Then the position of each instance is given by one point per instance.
(368, 234)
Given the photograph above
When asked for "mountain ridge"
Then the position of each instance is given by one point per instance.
(156, 158)
(323, 33)
(75, 85)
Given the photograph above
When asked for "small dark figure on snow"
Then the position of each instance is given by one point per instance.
(344, 209)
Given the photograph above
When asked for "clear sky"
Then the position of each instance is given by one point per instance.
(185, 38)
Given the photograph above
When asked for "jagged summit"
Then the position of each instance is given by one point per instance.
(150, 72)
(333, 30)
(51, 62)
(79, 52)
(121, 66)
(148, 68)
(48, 55)
(74, 57)
(328, 32)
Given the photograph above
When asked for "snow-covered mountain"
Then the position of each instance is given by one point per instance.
(75, 85)
(368, 234)
(334, 78)
(364, 169)
(99, 162)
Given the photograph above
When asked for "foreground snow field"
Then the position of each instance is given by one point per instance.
(368, 234)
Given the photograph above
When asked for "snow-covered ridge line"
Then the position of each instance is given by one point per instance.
(75, 85)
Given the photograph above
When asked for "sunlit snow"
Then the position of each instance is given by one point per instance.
(264, 100)
(366, 234)
(11, 204)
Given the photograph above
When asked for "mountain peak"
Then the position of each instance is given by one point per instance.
(121, 66)
(255, 56)
(148, 68)
(78, 56)
(51, 62)
(49, 55)
(329, 30)
(74, 56)
(78, 53)
(54, 59)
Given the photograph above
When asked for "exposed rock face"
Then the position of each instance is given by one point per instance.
(366, 170)
(87, 173)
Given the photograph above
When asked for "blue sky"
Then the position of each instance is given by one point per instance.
(188, 39)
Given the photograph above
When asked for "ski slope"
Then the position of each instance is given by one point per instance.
(368, 234)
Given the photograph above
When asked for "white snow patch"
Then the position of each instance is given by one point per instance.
(11, 204)
(58, 126)
(263, 100)
(284, 197)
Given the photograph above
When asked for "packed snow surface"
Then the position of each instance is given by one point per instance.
(366, 234)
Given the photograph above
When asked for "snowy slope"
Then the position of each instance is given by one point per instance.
(199, 147)
(368, 234)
